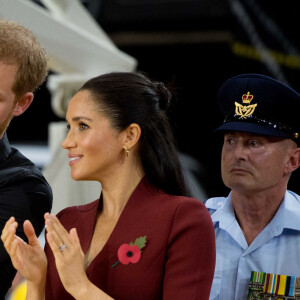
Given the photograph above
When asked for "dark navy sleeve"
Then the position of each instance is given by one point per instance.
(25, 198)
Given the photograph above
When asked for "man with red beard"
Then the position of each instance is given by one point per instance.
(257, 226)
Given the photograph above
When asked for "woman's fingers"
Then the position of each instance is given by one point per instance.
(55, 225)
(57, 236)
(54, 245)
(74, 236)
(69, 261)
(56, 239)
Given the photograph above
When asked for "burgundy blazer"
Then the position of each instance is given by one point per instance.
(177, 261)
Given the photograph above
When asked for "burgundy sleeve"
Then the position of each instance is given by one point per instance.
(191, 253)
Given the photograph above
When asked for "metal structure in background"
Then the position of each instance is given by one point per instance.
(78, 49)
(270, 43)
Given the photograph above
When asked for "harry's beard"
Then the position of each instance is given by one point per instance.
(4, 125)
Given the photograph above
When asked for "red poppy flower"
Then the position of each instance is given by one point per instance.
(127, 254)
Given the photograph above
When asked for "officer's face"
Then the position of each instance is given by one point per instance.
(253, 163)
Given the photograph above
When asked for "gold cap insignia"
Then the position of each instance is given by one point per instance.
(245, 111)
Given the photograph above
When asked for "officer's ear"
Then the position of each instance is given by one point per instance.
(294, 160)
(22, 104)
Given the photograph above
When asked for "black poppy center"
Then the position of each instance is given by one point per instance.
(129, 253)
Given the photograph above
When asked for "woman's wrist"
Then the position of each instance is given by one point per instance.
(87, 290)
(81, 289)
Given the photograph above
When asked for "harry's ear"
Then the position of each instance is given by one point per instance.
(132, 135)
(22, 104)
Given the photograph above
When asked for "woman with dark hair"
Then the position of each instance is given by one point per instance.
(143, 238)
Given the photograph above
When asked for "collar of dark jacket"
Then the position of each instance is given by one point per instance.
(4, 148)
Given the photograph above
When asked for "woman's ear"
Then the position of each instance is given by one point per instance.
(22, 104)
(132, 135)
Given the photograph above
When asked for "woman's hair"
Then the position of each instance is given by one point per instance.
(19, 46)
(127, 98)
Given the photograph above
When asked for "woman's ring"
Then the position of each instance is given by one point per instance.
(62, 247)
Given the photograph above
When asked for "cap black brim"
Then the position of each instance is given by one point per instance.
(252, 128)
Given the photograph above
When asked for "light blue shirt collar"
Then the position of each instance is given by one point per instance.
(285, 218)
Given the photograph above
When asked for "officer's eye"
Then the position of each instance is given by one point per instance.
(253, 143)
(229, 140)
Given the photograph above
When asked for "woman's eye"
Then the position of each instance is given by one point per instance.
(68, 127)
(83, 126)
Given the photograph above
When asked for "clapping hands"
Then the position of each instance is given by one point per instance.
(29, 259)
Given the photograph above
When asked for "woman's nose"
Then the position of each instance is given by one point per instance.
(68, 142)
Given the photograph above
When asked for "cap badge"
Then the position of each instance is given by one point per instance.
(245, 111)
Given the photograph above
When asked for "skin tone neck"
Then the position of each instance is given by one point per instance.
(255, 211)
(117, 188)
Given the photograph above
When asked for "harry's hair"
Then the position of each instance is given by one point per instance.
(19, 46)
(127, 98)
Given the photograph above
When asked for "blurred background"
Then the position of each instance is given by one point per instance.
(193, 45)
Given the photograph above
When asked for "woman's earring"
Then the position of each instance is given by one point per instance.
(126, 150)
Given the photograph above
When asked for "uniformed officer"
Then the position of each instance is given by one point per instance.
(257, 226)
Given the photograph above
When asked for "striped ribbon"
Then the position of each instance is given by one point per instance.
(269, 286)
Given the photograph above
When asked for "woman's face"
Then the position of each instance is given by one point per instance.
(95, 148)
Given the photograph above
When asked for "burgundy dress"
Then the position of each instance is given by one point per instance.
(177, 261)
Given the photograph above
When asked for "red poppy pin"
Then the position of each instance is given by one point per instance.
(131, 253)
